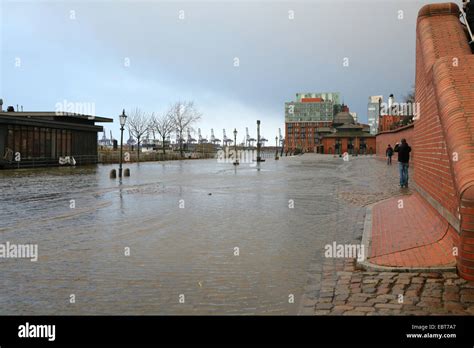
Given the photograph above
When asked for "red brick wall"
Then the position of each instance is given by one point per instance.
(307, 144)
(393, 137)
(432, 170)
(445, 125)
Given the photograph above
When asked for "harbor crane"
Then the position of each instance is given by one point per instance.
(190, 140)
(201, 139)
(214, 140)
(250, 140)
(225, 140)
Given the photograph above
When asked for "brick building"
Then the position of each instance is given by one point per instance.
(348, 136)
(332, 135)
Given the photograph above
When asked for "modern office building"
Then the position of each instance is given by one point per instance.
(354, 115)
(36, 139)
(308, 118)
(316, 122)
(373, 112)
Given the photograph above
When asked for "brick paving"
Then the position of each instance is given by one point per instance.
(408, 232)
(347, 290)
(339, 287)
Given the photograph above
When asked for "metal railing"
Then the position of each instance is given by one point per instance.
(37, 162)
(466, 22)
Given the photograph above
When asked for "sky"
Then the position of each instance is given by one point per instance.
(239, 61)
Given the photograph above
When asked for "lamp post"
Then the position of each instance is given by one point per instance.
(276, 145)
(259, 159)
(236, 162)
(123, 119)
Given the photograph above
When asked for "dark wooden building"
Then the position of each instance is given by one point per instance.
(38, 139)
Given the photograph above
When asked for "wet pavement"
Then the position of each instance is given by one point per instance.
(203, 237)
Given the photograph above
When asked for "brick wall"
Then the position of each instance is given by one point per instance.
(393, 137)
(444, 132)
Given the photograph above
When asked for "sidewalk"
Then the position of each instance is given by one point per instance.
(405, 233)
(409, 266)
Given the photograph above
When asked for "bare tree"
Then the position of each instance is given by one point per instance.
(410, 97)
(163, 125)
(183, 114)
(138, 125)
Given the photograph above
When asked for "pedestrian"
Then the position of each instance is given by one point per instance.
(389, 154)
(403, 150)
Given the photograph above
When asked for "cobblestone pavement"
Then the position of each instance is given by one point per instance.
(346, 290)
(337, 287)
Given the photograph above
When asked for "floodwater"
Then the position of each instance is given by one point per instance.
(177, 237)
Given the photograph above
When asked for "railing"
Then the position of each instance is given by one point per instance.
(466, 22)
(37, 162)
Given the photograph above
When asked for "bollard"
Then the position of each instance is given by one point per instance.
(126, 172)
(113, 174)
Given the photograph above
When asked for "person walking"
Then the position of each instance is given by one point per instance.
(403, 150)
(389, 154)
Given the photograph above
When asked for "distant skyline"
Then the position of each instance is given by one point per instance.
(149, 54)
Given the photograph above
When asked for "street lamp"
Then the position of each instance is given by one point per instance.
(123, 119)
(236, 162)
(276, 145)
(259, 159)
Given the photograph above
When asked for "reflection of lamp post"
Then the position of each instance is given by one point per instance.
(276, 145)
(123, 119)
(236, 162)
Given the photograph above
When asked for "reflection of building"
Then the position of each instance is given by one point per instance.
(373, 112)
(30, 139)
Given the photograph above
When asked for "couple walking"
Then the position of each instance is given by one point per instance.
(403, 150)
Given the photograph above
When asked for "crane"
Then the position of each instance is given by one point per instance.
(190, 138)
(225, 140)
(201, 139)
(281, 137)
(250, 140)
(214, 140)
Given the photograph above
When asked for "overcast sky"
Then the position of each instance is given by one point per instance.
(127, 54)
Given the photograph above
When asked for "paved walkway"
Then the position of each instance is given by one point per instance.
(346, 290)
(407, 232)
(338, 286)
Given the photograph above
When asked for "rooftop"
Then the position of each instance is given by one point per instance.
(49, 114)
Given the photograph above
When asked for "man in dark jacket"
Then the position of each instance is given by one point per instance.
(403, 150)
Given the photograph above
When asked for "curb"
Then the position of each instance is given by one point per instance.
(367, 242)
